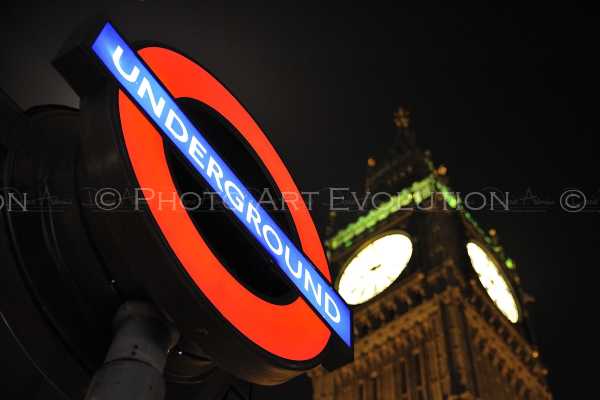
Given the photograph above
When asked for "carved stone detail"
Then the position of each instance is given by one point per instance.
(457, 330)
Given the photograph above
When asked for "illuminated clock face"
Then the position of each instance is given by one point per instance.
(493, 281)
(374, 268)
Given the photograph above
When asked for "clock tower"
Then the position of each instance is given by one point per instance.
(438, 307)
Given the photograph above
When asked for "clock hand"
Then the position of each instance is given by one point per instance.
(375, 267)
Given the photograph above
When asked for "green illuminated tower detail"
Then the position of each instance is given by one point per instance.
(454, 323)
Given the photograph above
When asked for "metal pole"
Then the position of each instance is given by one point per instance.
(133, 368)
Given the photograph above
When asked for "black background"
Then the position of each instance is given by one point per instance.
(504, 97)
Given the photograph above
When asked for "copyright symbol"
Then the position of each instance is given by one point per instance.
(573, 200)
(107, 199)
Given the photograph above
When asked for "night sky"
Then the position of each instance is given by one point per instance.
(505, 98)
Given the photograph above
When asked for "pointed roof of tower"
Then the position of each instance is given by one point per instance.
(408, 174)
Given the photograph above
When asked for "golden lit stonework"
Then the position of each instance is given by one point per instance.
(437, 304)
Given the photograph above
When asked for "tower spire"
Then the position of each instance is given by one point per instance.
(402, 118)
(405, 140)
(403, 162)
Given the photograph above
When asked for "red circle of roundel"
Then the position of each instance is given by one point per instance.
(292, 331)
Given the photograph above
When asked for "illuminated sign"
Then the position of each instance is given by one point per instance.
(152, 97)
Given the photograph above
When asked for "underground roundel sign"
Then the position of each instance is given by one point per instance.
(134, 124)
